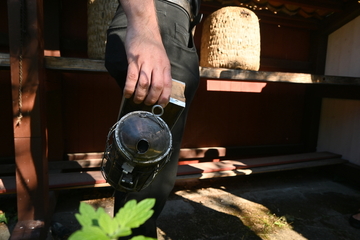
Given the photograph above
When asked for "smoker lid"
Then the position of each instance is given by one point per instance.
(143, 137)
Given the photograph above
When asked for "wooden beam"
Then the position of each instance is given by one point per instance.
(323, 5)
(200, 170)
(92, 160)
(327, 5)
(226, 165)
(282, 19)
(95, 179)
(27, 79)
(237, 74)
(337, 20)
(79, 64)
(219, 73)
(257, 170)
(75, 64)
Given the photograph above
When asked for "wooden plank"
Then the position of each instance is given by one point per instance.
(208, 153)
(350, 11)
(333, 6)
(81, 64)
(73, 179)
(227, 165)
(265, 169)
(75, 64)
(56, 166)
(297, 22)
(196, 157)
(95, 178)
(60, 180)
(75, 165)
(84, 156)
(237, 74)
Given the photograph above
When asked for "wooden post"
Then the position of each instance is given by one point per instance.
(27, 79)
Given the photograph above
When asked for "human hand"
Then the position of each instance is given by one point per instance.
(149, 71)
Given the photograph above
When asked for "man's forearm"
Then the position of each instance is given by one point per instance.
(141, 14)
(149, 71)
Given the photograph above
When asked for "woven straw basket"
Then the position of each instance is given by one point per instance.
(100, 14)
(231, 39)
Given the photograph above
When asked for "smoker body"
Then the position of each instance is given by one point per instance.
(140, 144)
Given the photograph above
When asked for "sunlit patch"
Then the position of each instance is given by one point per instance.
(257, 217)
(235, 86)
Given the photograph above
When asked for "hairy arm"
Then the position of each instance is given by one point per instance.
(149, 71)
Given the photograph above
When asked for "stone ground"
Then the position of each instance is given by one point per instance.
(309, 204)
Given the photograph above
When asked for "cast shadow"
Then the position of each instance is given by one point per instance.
(187, 220)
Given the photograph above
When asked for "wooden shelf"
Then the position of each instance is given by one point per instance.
(92, 65)
(75, 64)
(202, 170)
(262, 76)
(64, 64)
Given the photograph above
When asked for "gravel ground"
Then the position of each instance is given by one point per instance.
(296, 205)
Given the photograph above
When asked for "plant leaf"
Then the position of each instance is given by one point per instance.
(86, 214)
(86, 209)
(142, 238)
(100, 211)
(122, 232)
(3, 217)
(133, 215)
(89, 233)
(84, 221)
(107, 224)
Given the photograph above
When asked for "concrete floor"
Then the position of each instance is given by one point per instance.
(312, 204)
(291, 205)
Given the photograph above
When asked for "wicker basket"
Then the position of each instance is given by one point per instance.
(100, 14)
(231, 39)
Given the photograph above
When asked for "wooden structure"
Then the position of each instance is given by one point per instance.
(57, 105)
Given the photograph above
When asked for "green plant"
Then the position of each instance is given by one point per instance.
(98, 225)
(9, 216)
(3, 217)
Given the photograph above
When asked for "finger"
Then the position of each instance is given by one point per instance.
(131, 80)
(142, 87)
(164, 97)
(156, 87)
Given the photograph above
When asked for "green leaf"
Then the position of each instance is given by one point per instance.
(88, 210)
(133, 215)
(89, 233)
(97, 224)
(100, 211)
(107, 224)
(142, 238)
(86, 214)
(3, 217)
(84, 221)
(122, 232)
